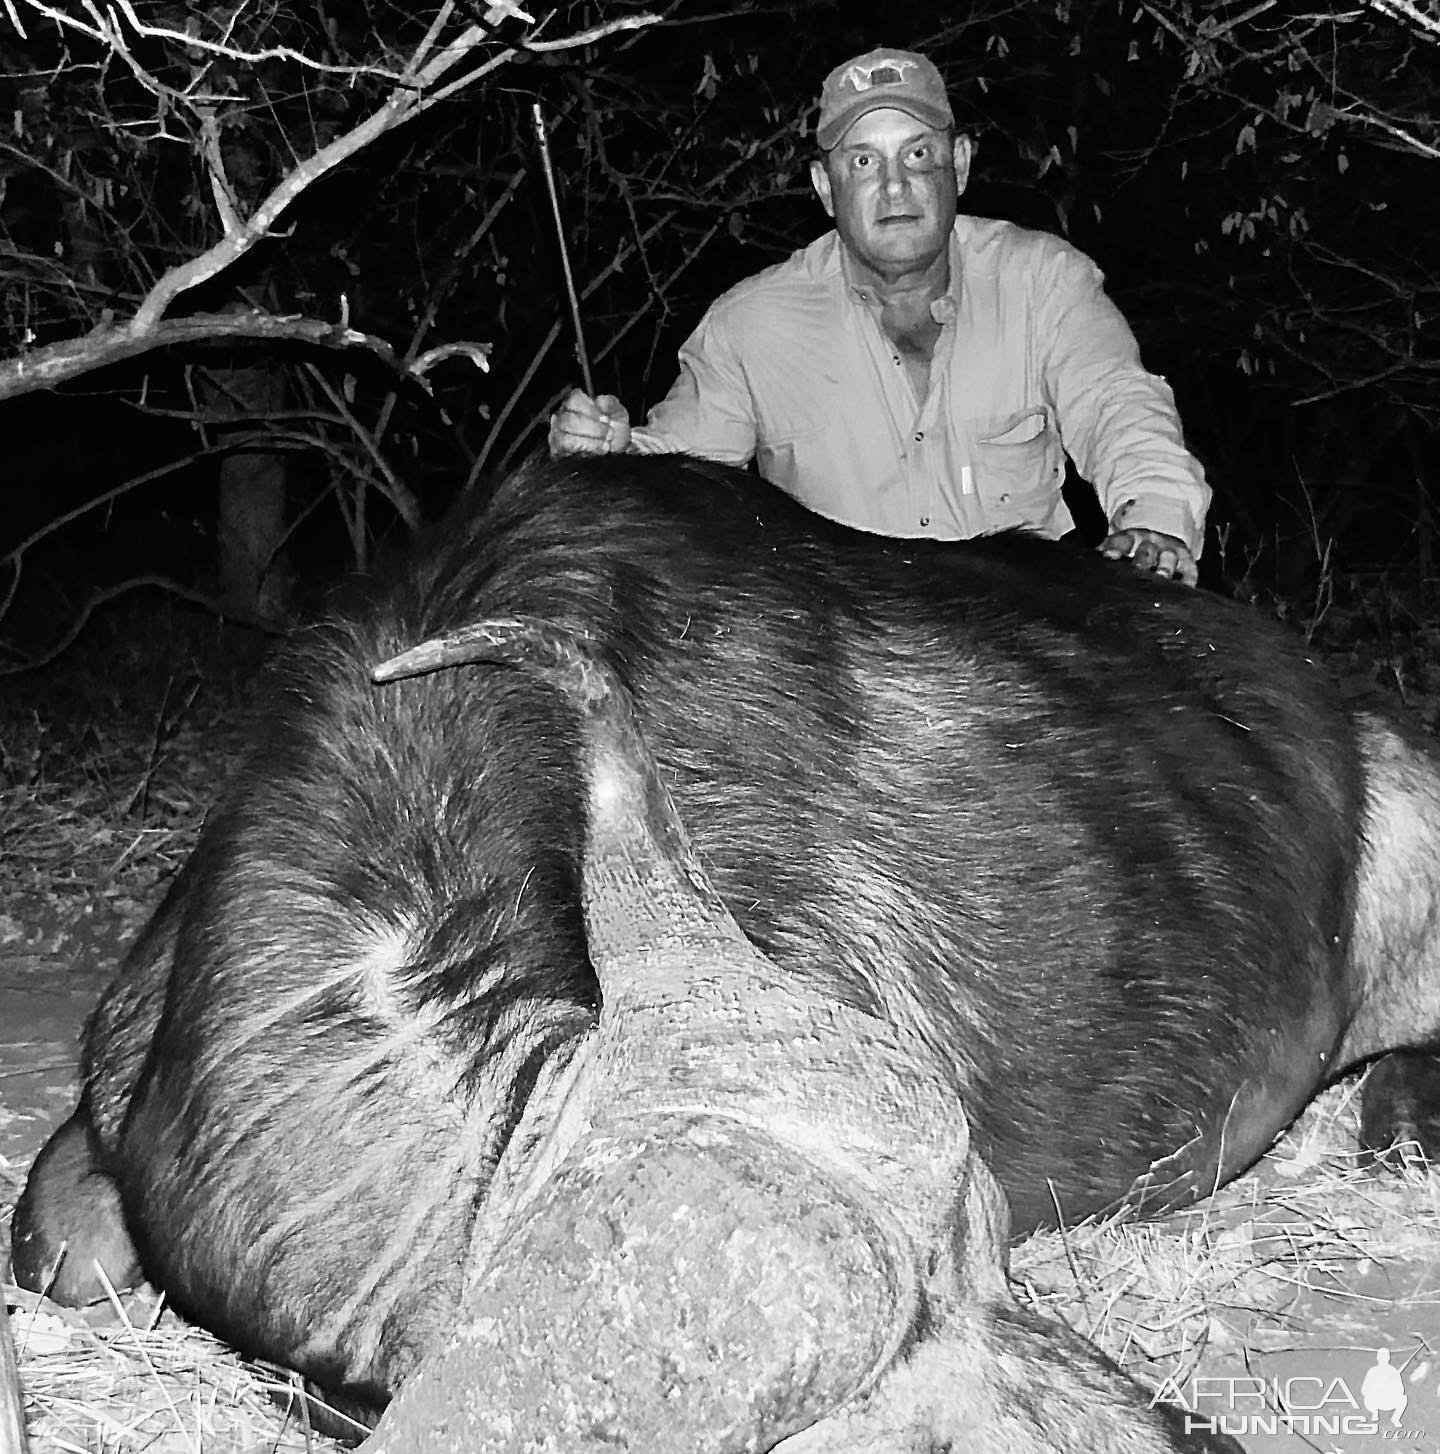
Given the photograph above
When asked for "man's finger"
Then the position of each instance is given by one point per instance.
(570, 434)
(1120, 545)
(1151, 550)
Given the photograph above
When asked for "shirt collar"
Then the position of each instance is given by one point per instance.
(829, 260)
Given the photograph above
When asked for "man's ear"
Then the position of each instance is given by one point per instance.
(964, 152)
(820, 180)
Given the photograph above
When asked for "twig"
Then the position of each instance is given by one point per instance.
(477, 353)
(508, 408)
(1427, 24)
(220, 186)
(18, 550)
(399, 496)
(113, 593)
(606, 348)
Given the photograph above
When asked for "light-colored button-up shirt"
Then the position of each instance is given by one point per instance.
(791, 369)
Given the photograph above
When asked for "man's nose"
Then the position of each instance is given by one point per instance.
(895, 178)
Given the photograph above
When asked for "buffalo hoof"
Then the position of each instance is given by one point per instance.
(1400, 1112)
(68, 1223)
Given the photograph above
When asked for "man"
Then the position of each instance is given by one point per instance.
(919, 373)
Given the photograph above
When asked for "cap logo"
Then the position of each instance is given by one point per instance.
(881, 73)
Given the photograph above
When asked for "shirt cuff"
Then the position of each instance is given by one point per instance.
(1164, 513)
(644, 440)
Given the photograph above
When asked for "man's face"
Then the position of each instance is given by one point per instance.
(891, 184)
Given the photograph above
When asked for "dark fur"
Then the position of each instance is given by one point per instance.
(1100, 833)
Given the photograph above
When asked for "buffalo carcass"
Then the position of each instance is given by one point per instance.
(1105, 854)
(723, 1240)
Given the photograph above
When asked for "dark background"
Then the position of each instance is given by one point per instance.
(1258, 185)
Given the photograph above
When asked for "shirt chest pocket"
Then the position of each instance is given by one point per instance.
(1017, 460)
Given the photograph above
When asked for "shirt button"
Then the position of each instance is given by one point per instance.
(920, 434)
(1004, 499)
(924, 521)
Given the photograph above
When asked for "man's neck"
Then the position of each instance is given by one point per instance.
(907, 316)
(911, 291)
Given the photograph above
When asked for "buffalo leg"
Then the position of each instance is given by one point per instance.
(69, 1222)
(1400, 1112)
(1396, 948)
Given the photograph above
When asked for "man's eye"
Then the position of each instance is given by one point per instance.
(922, 155)
(860, 161)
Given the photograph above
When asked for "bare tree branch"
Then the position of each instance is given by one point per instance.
(1425, 22)
(417, 87)
(53, 364)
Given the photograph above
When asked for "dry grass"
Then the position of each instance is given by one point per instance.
(1245, 1271)
(162, 1386)
(117, 820)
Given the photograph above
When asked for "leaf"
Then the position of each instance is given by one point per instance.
(709, 79)
(1320, 118)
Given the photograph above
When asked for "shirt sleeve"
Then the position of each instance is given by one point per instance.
(1117, 421)
(708, 410)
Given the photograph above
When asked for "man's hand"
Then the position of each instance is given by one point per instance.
(1151, 550)
(582, 425)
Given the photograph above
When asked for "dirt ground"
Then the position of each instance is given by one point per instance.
(54, 961)
(108, 761)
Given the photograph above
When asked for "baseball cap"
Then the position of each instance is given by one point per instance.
(903, 79)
